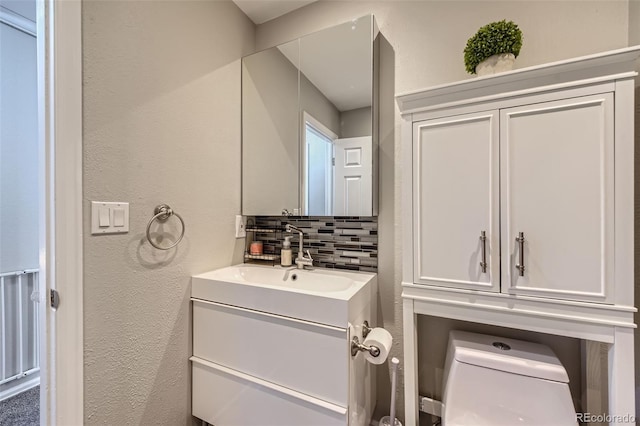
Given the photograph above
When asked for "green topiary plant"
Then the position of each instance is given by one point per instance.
(492, 39)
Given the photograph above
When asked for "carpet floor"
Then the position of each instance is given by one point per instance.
(22, 409)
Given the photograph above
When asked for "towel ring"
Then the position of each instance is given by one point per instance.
(162, 213)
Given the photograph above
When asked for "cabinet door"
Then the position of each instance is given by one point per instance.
(557, 189)
(456, 200)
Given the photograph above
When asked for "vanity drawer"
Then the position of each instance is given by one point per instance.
(306, 357)
(225, 397)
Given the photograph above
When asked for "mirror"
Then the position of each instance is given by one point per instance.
(308, 144)
(270, 153)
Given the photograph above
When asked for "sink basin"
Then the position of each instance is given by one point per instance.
(325, 296)
(287, 278)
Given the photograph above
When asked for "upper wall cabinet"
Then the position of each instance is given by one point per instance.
(557, 175)
(309, 144)
(535, 181)
(520, 184)
(457, 205)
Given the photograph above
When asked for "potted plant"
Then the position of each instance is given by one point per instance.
(493, 48)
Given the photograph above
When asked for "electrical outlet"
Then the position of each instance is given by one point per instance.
(241, 223)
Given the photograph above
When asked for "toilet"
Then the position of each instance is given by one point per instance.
(493, 381)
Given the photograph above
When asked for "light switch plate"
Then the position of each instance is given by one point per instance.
(97, 206)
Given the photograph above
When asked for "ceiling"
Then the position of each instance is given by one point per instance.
(260, 11)
(337, 61)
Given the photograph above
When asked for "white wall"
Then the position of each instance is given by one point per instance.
(313, 101)
(428, 36)
(25, 8)
(161, 124)
(427, 39)
(634, 22)
(356, 122)
(18, 151)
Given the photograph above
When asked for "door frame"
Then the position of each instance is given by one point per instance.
(320, 127)
(60, 144)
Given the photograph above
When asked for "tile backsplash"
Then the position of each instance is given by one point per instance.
(341, 242)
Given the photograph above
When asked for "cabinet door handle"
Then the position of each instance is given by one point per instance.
(483, 262)
(520, 266)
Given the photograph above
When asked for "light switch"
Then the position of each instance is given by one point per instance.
(109, 217)
(103, 221)
(118, 217)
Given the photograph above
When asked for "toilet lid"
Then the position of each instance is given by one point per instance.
(508, 355)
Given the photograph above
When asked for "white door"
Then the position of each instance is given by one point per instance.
(19, 203)
(18, 150)
(557, 190)
(353, 177)
(456, 201)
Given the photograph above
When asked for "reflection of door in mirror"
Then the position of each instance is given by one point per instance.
(336, 88)
(317, 167)
(337, 172)
(353, 176)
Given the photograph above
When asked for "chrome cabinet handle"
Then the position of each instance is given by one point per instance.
(520, 266)
(483, 263)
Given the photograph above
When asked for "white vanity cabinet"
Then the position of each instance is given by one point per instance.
(271, 346)
(518, 195)
(254, 368)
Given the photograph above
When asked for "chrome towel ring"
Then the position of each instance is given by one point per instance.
(162, 213)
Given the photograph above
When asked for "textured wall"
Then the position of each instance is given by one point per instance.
(634, 22)
(161, 124)
(427, 39)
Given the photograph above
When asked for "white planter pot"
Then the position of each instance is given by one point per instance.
(497, 63)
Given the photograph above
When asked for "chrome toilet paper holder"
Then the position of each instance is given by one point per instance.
(356, 346)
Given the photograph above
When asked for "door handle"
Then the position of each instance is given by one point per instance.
(520, 266)
(483, 262)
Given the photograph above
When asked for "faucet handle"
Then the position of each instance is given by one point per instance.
(309, 255)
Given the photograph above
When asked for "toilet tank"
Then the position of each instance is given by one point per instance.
(491, 380)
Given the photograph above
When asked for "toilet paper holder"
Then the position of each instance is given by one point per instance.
(356, 346)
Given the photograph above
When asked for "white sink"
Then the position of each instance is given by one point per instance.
(325, 296)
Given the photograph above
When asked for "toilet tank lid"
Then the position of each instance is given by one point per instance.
(508, 355)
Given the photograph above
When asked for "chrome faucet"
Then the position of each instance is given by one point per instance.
(301, 260)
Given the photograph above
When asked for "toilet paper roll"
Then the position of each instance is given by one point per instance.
(380, 338)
